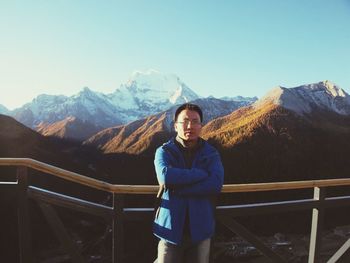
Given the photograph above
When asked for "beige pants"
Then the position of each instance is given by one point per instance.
(186, 252)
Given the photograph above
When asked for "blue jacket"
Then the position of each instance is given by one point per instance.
(187, 191)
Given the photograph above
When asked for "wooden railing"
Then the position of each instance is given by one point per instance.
(118, 213)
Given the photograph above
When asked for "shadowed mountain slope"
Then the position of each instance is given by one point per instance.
(19, 141)
(69, 128)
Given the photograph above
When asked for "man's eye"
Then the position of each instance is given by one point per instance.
(193, 122)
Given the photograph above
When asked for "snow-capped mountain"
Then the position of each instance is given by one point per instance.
(307, 98)
(86, 105)
(144, 94)
(147, 93)
(3, 110)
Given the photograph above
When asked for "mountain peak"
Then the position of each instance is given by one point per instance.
(87, 92)
(86, 89)
(155, 80)
(152, 91)
(333, 89)
(325, 87)
(139, 73)
(304, 99)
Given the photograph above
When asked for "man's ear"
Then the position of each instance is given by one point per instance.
(175, 126)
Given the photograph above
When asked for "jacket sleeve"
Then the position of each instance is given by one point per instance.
(169, 175)
(211, 185)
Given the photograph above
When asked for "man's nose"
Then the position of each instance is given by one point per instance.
(189, 124)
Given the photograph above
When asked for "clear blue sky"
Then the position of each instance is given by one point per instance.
(223, 48)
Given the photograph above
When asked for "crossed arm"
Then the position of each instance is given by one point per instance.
(194, 181)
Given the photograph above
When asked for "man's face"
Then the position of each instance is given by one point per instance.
(188, 125)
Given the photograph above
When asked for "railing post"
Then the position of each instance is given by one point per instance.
(25, 253)
(118, 229)
(317, 226)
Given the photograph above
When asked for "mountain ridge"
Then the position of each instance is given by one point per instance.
(305, 99)
(144, 94)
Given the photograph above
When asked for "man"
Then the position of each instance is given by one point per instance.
(191, 173)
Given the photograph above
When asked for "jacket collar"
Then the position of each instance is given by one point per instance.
(180, 142)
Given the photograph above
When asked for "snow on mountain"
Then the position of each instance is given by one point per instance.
(43, 104)
(3, 110)
(86, 105)
(150, 92)
(95, 108)
(248, 100)
(146, 93)
(307, 98)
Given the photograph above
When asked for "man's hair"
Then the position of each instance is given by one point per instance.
(188, 106)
